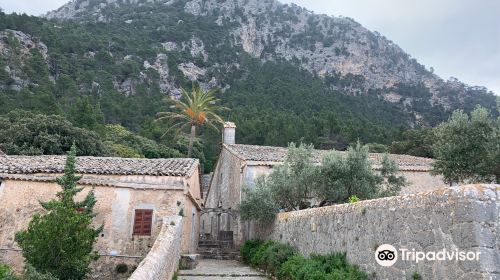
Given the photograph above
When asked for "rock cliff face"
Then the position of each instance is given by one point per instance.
(270, 30)
(17, 47)
(348, 56)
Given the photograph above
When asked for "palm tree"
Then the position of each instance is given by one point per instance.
(195, 109)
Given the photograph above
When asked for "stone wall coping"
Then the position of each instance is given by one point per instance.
(482, 192)
(163, 258)
(453, 219)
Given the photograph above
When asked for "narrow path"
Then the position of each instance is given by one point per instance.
(220, 270)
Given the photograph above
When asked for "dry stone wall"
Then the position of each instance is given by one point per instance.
(163, 259)
(465, 218)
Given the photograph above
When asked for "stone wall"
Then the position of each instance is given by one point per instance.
(463, 218)
(162, 260)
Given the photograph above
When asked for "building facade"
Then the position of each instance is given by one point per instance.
(133, 196)
(239, 165)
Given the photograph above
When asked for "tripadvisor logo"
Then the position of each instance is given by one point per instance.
(388, 255)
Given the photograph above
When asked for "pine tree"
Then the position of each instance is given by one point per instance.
(61, 241)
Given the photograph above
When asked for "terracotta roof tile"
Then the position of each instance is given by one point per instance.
(269, 154)
(99, 165)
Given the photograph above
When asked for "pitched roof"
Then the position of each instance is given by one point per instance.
(205, 180)
(99, 165)
(268, 155)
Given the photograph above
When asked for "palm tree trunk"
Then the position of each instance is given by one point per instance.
(191, 140)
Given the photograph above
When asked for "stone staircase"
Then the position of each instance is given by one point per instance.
(217, 250)
(210, 269)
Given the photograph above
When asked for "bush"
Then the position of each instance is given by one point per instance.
(32, 274)
(294, 266)
(284, 262)
(332, 266)
(249, 248)
(416, 276)
(121, 268)
(29, 274)
(275, 255)
(4, 271)
(257, 258)
(353, 199)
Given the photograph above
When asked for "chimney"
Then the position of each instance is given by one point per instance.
(229, 133)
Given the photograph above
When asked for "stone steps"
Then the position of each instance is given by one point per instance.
(216, 250)
(210, 269)
(217, 254)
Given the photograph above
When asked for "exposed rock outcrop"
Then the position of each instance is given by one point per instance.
(348, 56)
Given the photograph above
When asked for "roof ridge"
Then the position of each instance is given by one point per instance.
(266, 154)
(326, 150)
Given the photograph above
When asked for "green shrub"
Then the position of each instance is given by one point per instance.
(121, 268)
(332, 266)
(32, 274)
(29, 274)
(336, 265)
(248, 249)
(284, 262)
(257, 258)
(353, 199)
(4, 271)
(294, 267)
(416, 276)
(275, 255)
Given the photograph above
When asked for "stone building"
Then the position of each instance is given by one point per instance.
(239, 165)
(133, 196)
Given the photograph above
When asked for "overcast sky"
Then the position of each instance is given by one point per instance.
(459, 38)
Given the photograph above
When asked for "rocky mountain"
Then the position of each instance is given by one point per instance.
(334, 48)
(286, 72)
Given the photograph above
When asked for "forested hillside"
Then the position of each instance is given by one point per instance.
(102, 65)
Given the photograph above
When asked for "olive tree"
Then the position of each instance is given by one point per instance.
(345, 175)
(288, 187)
(467, 149)
(292, 185)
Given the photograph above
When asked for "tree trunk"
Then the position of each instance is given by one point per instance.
(191, 141)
